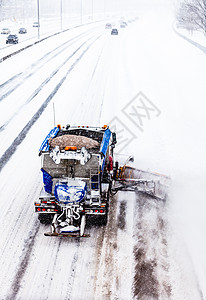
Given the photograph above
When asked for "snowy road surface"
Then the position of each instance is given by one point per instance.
(149, 249)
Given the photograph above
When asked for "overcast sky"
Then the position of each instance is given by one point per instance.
(24, 9)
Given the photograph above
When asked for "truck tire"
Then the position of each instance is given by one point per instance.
(115, 170)
(104, 219)
(45, 218)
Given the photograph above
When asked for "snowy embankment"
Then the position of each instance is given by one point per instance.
(189, 190)
(196, 38)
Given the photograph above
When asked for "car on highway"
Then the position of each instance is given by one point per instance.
(114, 31)
(22, 30)
(36, 24)
(12, 39)
(5, 31)
(108, 26)
(123, 24)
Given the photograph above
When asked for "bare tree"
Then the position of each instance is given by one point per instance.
(192, 15)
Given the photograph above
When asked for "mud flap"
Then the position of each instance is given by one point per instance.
(82, 226)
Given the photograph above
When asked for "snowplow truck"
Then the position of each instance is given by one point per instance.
(76, 164)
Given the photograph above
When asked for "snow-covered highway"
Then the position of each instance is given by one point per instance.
(149, 249)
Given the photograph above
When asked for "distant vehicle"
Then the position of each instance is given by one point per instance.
(12, 39)
(5, 31)
(108, 26)
(22, 30)
(123, 24)
(36, 24)
(114, 31)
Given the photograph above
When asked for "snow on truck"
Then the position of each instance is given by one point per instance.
(76, 167)
(80, 175)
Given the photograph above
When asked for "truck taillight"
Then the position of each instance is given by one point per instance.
(98, 211)
(44, 201)
(40, 209)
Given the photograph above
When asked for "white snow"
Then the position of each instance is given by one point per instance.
(148, 57)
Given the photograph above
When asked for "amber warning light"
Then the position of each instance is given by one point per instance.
(73, 148)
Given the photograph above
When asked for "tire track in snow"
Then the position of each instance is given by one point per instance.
(24, 261)
(105, 274)
(38, 65)
(22, 135)
(126, 222)
(79, 108)
(103, 94)
(10, 80)
(114, 262)
(99, 243)
(150, 252)
(36, 92)
(121, 222)
(52, 270)
(70, 280)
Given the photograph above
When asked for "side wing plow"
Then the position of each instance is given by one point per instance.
(132, 179)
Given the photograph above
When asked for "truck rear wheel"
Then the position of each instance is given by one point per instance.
(104, 219)
(45, 218)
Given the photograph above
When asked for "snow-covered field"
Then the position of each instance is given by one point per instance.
(147, 82)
